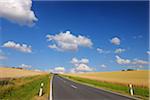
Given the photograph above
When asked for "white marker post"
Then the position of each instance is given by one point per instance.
(51, 86)
(41, 89)
(131, 89)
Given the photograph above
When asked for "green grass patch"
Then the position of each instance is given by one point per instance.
(23, 88)
(139, 92)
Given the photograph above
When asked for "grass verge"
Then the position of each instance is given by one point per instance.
(139, 92)
(26, 88)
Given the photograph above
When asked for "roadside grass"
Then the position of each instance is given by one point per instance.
(25, 88)
(140, 92)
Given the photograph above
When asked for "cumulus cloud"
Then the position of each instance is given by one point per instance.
(99, 50)
(81, 65)
(68, 42)
(84, 61)
(115, 41)
(83, 68)
(136, 66)
(17, 11)
(60, 70)
(135, 63)
(20, 47)
(148, 52)
(53, 46)
(119, 60)
(77, 62)
(103, 66)
(139, 62)
(119, 50)
(24, 66)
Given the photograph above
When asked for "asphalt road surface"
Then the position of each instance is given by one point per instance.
(64, 89)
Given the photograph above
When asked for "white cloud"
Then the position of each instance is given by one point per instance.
(68, 42)
(80, 65)
(115, 41)
(84, 61)
(135, 63)
(60, 70)
(20, 47)
(25, 66)
(139, 62)
(49, 70)
(119, 50)
(136, 66)
(73, 70)
(119, 60)
(53, 46)
(148, 52)
(103, 66)
(18, 11)
(102, 51)
(83, 68)
(77, 62)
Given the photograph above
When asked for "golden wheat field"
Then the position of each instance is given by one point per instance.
(138, 78)
(13, 72)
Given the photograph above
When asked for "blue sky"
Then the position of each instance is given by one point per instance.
(99, 22)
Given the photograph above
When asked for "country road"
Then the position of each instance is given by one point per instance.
(64, 89)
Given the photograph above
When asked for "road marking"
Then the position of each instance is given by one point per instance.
(73, 86)
(51, 82)
(62, 79)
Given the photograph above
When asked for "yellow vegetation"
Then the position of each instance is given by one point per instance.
(16, 73)
(138, 78)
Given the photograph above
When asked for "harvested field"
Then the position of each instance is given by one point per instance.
(16, 73)
(137, 78)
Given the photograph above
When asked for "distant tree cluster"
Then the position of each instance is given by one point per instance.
(128, 70)
(17, 67)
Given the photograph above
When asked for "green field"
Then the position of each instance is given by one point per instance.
(26, 88)
(140, 92)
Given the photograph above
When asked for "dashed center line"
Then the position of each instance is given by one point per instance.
(73, 86)
(65, 82)
(62, 79)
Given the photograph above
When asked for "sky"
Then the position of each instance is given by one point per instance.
(74, 36)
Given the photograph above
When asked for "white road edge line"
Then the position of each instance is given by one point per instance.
(51, 82)
(73, 86)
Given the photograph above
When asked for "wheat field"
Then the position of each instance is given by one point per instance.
(138, 78)
(14, 73)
